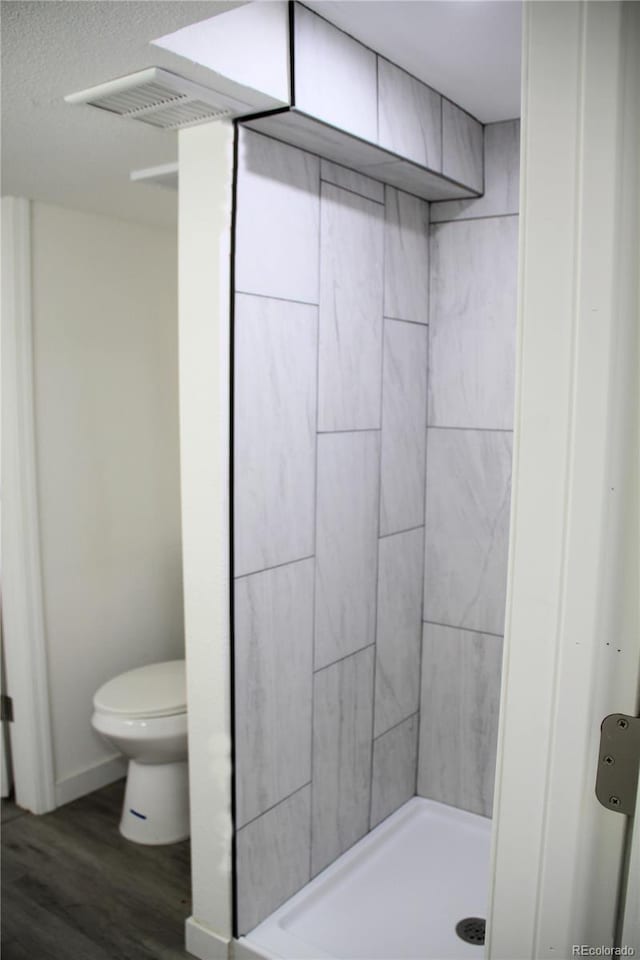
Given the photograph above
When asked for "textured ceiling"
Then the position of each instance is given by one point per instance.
(79, 157)
(76, 156)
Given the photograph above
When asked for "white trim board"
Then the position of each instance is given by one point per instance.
(204, 309)
(203, 943)
(23, 610)
(571, 640)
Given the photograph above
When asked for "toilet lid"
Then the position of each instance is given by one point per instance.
(158, 690)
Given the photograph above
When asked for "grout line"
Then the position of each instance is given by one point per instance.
(340, 659)
(356, 193)
(398, 533)
(315, 531)
(415, 323)
(441, 133)
(434, 426)
(267, 296)
(412, 716)
(276, 566)
(487, 216)
(274, 805)
(383, 326)
(323, 433)
(451, 626)
(424, 507)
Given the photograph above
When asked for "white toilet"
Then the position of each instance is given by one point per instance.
(144, 714)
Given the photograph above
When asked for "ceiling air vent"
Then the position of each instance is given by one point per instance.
(159, 98)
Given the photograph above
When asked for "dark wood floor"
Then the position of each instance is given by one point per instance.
(74, 889)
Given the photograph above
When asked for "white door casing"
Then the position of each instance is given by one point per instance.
(22, 606)
(572, 651)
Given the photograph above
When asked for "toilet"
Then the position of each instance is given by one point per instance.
(143, 713)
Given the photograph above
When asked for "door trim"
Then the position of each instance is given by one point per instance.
(572, 641)
(23, 601)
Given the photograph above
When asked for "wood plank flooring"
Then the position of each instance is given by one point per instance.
(74, 889)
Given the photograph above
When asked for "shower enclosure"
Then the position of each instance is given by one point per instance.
(373, 405)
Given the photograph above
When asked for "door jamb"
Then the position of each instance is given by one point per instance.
(23, 599)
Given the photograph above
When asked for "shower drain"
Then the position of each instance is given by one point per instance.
(471, 930)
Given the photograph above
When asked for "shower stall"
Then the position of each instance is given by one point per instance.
(373, 344)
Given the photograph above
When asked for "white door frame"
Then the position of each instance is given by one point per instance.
(572, 640)
(22, 596)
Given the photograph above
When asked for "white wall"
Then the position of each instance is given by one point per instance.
(106, 408)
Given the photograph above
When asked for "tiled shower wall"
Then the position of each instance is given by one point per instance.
(331, 314)
(473, 247)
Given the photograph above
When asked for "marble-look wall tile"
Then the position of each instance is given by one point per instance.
(278, 219)
(275, 417)
(346, 544)
(472, 323)
(467, 528)
(404, 418)
(459, 717)
(342, 715)
(409, 116)
(351, 180)
(274, 665)
(351, 289)
(273, 859)
(395, 756)
(398, 637)
(406, 257)
(501, 178)
(335, 76)
(462, 148)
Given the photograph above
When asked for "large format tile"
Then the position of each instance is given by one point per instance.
(273, 859)
(459, 717)
(406, 175)
(501, 178)
(404, 419)
(316, 136)
(342, 708)
(409, 120)
(346, 547)
(351, 288)
(278, 219)
(406, 257)
(467, 528)
(473, 323)
(398, 637)
(335, 76)
(273, 685)
(395, 758)
(462, 146)
(275, 417)
(351, 180)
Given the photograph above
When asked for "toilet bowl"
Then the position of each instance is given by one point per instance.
(143, 713)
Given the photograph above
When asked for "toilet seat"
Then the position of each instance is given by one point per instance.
(157, 690)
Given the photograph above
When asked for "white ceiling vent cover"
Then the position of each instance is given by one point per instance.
(160, 98)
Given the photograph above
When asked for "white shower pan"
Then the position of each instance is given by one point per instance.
(396, 895)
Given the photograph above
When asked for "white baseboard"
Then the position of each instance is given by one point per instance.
(203, 943)
(99, 775)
